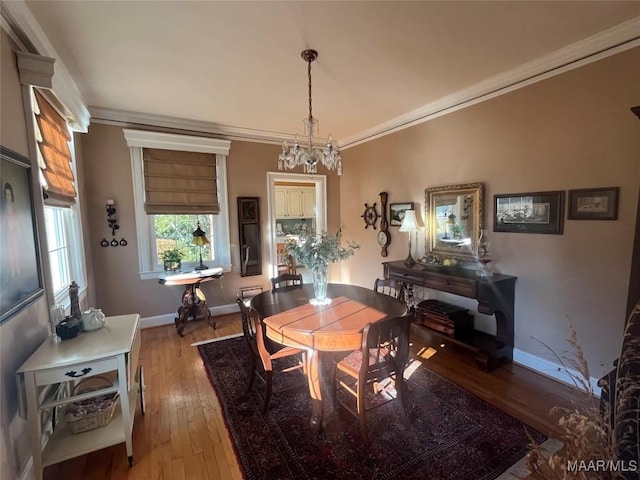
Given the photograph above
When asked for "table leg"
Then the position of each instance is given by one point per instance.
(183, 311)
(194, 304)
(204, 308)
(313, 377)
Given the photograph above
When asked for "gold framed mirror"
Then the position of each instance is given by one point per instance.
(453, 215)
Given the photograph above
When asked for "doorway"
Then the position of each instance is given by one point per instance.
(281, 222)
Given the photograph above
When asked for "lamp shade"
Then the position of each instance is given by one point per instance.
(199, 237)
(409, 222)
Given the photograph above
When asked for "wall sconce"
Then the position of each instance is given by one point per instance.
(200, 239)
(113, 225)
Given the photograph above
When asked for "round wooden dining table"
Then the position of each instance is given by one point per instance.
(291, 320)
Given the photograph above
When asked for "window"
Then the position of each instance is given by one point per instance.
(64, 245)
(160, 232)
(62, 213)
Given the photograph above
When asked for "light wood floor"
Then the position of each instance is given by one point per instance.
(183, 436)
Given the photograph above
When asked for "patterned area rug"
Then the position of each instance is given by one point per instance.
(452, 434)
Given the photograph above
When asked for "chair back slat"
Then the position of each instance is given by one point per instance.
(391, 334)
(284, 280)
(390, 287)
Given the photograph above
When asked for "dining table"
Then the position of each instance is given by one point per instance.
(290, 320)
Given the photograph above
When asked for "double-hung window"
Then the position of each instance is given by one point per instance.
(61, 211)
(179, 184)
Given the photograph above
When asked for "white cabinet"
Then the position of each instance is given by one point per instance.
(57, 367)
(295, 202)
(282, 207)
(309, 202)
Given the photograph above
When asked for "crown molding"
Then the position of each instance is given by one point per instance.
(134, 119)
(22, 26)
(601, 45)
(125, 119)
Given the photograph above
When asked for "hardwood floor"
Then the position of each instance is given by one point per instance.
(183, 435)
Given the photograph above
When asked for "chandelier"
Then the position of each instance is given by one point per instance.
(309, 156)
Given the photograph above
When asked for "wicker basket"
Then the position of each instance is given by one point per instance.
(85, 415)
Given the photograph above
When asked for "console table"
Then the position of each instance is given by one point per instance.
(194, 303)
(495, 296)
(48, 376)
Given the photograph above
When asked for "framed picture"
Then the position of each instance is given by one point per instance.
(593, 204)
(537, 212)
(396, 212)
(20, 277)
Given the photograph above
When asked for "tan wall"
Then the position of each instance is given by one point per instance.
(107, 173)
(567, 132)
(23, 333)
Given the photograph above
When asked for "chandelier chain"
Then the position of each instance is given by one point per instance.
(309, 78)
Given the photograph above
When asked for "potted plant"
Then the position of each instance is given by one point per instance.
(457, 230)
(172, 259)
(316, 252)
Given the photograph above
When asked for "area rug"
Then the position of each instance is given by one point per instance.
(452, 435)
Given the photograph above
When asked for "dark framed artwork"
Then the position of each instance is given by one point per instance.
(20, 276)
(249, 236)
(396, 212)
(536, 212)
(593, 204)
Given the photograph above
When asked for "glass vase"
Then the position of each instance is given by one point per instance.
(319, 275)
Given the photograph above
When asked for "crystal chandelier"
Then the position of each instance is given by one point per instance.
(309, 156)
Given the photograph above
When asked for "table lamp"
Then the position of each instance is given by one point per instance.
(409, 224)
(200, 239)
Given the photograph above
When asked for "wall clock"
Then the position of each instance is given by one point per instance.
(370, 216)
(384, 237)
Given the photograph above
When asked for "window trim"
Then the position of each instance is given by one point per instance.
(136, 141)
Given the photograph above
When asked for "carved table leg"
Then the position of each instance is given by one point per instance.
(204, 308)
(313, 376)
(183, 311)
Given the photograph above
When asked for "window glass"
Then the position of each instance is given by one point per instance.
(176, 231)
(58, 222)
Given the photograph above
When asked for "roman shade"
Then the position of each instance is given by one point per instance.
(55, 155)
(179, 182)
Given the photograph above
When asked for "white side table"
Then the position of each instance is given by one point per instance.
(56, 366)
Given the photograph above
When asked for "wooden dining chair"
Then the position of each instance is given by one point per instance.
(284, 280)
(264, 356)
(374, 375)
(389, 287)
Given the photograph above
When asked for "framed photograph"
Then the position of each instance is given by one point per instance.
(593, 204)
(20, 278)
(396, 212)
(537, 212)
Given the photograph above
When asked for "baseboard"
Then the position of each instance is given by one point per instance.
(169, 318)
(550, 369)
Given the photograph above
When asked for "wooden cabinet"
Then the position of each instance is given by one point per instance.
(46, 384)
(295, 202)
(495, 296)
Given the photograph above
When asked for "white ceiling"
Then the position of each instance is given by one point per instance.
(381, 64)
